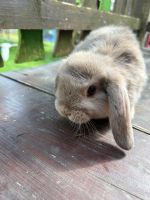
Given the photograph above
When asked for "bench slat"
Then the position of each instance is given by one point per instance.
(37, 14)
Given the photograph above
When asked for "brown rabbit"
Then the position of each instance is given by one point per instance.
(103, 77)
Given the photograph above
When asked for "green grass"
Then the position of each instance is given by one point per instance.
(10, 65)
(11, 38)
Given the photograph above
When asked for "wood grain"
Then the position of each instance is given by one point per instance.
(141, 9)
(40, 14)
(90, 3)
(64, 43)
(41, 159)
(120, 6)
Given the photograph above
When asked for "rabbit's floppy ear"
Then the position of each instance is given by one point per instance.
(119, 114)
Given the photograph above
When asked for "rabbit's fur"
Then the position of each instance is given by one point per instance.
(110, 59)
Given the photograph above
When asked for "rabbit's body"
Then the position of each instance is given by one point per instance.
(110, 60)
(121, 45)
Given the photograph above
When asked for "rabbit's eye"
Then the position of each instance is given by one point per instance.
(91, 90)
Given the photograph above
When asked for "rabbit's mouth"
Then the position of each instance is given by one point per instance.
(78, 117)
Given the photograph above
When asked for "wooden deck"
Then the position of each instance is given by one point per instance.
(40, 158)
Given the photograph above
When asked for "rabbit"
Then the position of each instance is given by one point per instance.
(103, 77)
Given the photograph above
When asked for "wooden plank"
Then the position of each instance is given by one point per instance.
(90, 4)
(148, 18)
(69, 1)
(80, 35)
(43, 78)
(120, 6)
(137, 8)
(40, 158)
(141, 9)
(30, 47)
(147, 28)
(63, 45)
(125, 7)
(39, 14)
(128, 8)
(142, 116)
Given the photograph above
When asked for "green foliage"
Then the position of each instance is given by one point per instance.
(10, 65)
(105, 5)
(77, 2)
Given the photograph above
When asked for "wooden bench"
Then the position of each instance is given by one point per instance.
(67, 17)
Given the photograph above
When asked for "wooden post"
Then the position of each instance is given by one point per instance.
(91, 4)
(128, 8)
(148, 24)
(63, 45)
(1, 61)
(67, 39)
(80, 35)
(120, 6)
(141, 9)
(30, 46)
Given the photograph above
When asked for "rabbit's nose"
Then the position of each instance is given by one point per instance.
(66, 113)
(62, 109)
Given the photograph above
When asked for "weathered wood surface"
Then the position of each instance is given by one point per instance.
(39, 14)
(142, 116)
(128, 8)
(141, 9)
(120, 6)
(148, 24)
(41, 159)
(64, 43)
(30, 46)
(90, 3)
(86, 3)
(43, 79)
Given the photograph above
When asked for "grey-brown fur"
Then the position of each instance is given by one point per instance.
(110, 58)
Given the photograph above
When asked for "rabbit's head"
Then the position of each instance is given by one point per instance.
(86, 89)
